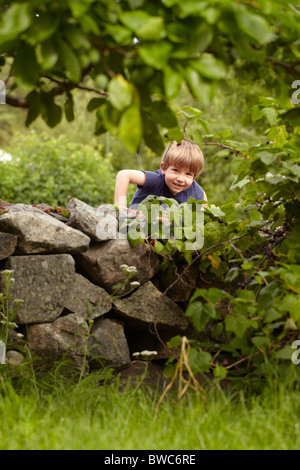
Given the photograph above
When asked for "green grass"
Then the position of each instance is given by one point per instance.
(63, 415)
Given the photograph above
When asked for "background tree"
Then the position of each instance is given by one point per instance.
(132, 57)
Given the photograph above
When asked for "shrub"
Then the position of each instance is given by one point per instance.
(53, 170)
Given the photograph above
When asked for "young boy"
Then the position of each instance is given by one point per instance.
(181, 165)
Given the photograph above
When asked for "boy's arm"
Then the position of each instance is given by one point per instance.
(124, 177)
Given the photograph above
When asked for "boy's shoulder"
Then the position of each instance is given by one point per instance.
(154, 177)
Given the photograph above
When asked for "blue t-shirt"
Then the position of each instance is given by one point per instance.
(155, 186)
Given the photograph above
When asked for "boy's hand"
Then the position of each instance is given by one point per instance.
(134, 214)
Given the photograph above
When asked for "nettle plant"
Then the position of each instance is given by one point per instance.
(252, 249)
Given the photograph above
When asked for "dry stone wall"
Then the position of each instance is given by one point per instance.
(65, 270)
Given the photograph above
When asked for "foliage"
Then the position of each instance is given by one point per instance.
(251, 247)
(133, 57)
(44, 169)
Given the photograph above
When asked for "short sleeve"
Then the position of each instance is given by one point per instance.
(154, 182)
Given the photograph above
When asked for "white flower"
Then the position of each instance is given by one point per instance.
(128, 269)
(131, 269)
(123, 266)
(145, 354)
(135, 284)
(7, 272)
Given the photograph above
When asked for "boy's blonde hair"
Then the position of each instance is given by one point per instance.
(184, 155)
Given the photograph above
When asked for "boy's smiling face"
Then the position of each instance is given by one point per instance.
(177, 179)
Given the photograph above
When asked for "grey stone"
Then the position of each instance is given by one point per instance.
(87, 300)
(43, 283)
(20, 207)
(38, 232)
(64, 338)
(101, 263)
(8, 243)
(108, 340)
(14, 358)
(149, 305)
(100, 224)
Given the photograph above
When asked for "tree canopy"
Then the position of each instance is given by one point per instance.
(132, 56)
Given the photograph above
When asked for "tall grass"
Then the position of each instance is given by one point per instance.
(96, 413)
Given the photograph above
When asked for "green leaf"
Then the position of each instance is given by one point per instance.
(267, 158)
(119, 33)
(290, 304)
(94, 103)
(292, 115)
(199, 89)
(120, 92)
(69, 108)
(190, 113)
(200, 314)
(89, 24)
(279, 136)
(212, 295)
(200, 39)
(237, 324)
(261, 341)
(134, 4)
(159, 247)
(256, 113)
(267, 295)
(220, 372)
(174, 342)
(33, 101)
(175, 134)
(285, 353)
(70, 61)
(210, 67)
(51, 112)
(151, 134)
(156, 54)
(199, 361)
(271, 115)
(47, 54)
(15, 19)
(76, 38)
(232, 274)
(153, 28)
(78, 7)
(215, 211)
(254, 25)
(172, 82)
(271, 314)
(162, 114)
(134, 19)
(25, 67)
(130, 128)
